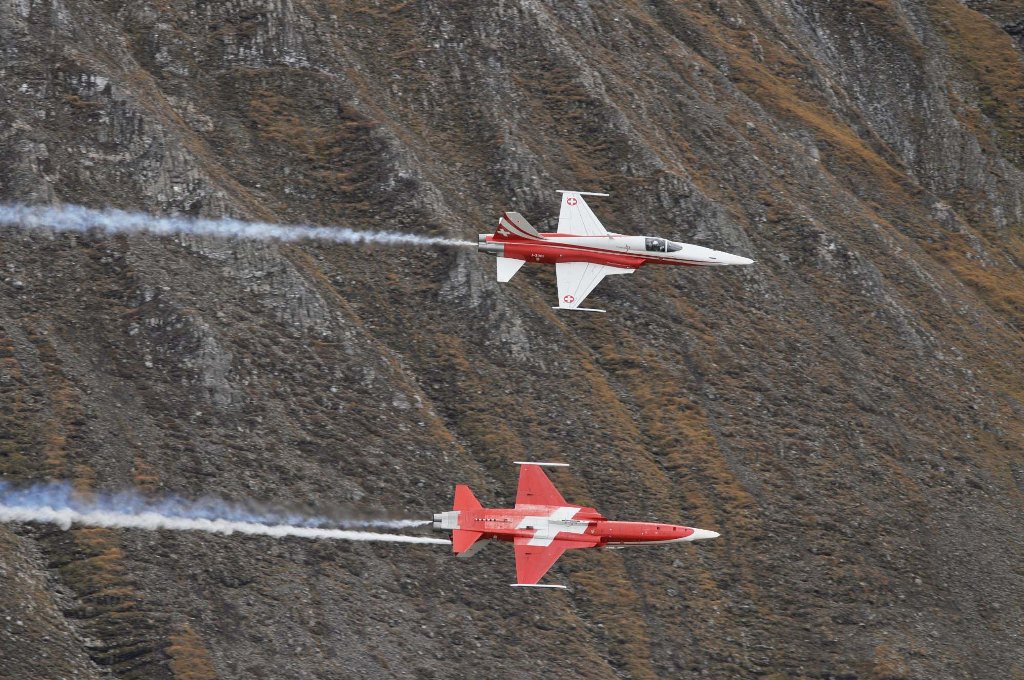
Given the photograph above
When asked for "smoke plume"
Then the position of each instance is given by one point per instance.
(80, 219)
(58, 504)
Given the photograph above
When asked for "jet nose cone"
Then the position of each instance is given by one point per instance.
(699, 534)
(726, 258)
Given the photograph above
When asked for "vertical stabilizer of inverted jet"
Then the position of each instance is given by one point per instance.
(512, 225)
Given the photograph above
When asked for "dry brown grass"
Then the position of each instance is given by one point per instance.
(145, 476)
(889, 663)
(680, 441)
(57, 428)
(190, 660)
(834, 136)
(76, 102)
(100, 566)
(990, 59)
(781, 80)
(16, 434)
(1000, 289)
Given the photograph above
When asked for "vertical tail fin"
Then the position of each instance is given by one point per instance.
(512, 225)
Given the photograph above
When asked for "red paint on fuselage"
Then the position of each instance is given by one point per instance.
(550, 253)
(503, 525)
(553, 252)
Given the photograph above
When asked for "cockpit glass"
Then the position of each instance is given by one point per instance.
(660, 245)
(656, 245)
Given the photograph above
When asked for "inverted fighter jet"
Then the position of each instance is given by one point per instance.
(542, 526)
(583, 251)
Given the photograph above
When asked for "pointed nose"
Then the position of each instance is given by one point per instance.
(699, 534)
(727, 258)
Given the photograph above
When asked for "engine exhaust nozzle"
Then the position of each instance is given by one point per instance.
(484, 246)
(446, 521)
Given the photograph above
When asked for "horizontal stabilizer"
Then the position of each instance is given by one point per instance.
(530, 462)
(580, 309)
(463, 540)
(536, 585)
(507, 268)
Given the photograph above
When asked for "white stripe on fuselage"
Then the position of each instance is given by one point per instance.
(547, 527)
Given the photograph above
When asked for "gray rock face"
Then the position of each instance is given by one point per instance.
(847, 412)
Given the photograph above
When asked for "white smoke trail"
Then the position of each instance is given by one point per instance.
(112, 221)
(152, 521)
(58, 503)
(383, 523)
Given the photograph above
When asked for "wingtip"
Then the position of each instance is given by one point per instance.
(581, 193)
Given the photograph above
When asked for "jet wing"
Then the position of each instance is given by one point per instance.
(576, 217)
(536, 489)
(533, 561)
(577, 279)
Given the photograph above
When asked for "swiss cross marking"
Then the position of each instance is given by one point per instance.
(503, 231)
(569, 299)
(571, 200)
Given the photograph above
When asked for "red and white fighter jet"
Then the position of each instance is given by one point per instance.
(542, 526)
(583, 251)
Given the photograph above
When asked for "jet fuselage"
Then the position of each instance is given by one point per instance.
(614, 250)
(542, 523)
(542, 526)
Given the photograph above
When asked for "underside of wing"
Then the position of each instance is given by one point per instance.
(536, 489)
(576, 280)
(576, 217)
(533, 561)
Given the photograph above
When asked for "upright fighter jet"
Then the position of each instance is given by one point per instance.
(542, 526)
(583, 251)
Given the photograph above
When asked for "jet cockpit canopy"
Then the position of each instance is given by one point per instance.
(660, 245)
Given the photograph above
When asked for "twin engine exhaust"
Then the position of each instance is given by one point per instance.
(446, 521)
(496, 249)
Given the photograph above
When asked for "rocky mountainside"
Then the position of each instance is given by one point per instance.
(848, 412)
